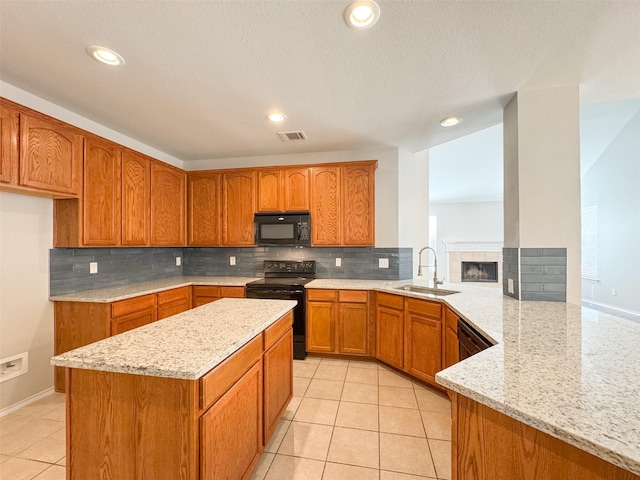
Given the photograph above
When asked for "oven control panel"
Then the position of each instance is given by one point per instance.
(283, 266)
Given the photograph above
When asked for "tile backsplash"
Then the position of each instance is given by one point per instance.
(69, 267)
(537, 273)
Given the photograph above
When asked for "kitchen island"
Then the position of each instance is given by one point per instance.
(194, 396)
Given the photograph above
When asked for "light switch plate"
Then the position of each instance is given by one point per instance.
(93, 267)
(510, 285)
(383, 263)
(178, 261)
(232, 260)
(338, 262)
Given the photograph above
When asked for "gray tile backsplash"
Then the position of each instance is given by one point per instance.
(538, 273)
(69, 267)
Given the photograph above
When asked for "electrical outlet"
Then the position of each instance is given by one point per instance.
(232, 260)
(383, 263)
(93, 267)
(614, 292)
(338, 262)
(11, 367)
(510, 288)
(178, 261)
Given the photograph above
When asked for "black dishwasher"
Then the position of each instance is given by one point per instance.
(470, 341)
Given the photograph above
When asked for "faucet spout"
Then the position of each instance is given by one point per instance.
(436, 282)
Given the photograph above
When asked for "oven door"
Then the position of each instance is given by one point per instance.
(299, 313)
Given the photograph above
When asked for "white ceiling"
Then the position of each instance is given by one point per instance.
(201, 75)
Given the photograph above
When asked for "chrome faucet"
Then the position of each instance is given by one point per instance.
(436, 282)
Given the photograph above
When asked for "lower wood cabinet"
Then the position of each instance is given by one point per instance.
(172, 302)
(423, 339)
(390, 329)
(203, 294)
(133, 313)
(214, 428)
(451, 354)
(339, 321)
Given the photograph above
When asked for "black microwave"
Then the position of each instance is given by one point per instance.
(286, 229)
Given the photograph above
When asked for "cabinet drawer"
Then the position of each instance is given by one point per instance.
(451, 319)
(131, 305)
(206, 291)
(353, 296)
(275, 331)
(322, 295)
(431, 309)
(393, 301)
(215, 383)
(173, 294)
(232, 292)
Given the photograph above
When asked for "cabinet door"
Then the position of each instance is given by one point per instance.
(50, 156)
(174, 301)
(390, 336)
(451, 347)
(353, 327)
(133, 320)
(168, 205)
(101, 197)
(325, 206)
(136, 197)
(358, 201)
(238, 208)
(9, 125)
(204, 193)
(296, 189)
(233, 424)
(270, 191)
(278, 382)
(321, 319)
(423, 341)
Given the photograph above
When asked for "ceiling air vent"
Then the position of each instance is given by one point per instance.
(289, 136)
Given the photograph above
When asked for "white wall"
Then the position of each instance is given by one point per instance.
(467, 222)
(387, 229)
(41, 105)
(413, 198)
(26, 315)
(612, 184)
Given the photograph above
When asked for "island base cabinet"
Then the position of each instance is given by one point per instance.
(233, 424)
(488, 445)
(130, 426)
(278, 382)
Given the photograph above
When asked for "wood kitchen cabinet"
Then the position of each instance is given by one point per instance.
(358, 201)
(390, 329)
(168, 205)
(9, 152)
(325, 206)
(423, 338)
(238, 207)
(204, 200)
(283, 190)
(101, 207)
(338, 321)
(203, 294)
(451, 354)
(172, 302)
(133, 313)
(136, 197)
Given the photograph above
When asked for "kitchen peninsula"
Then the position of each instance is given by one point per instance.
(193, 396)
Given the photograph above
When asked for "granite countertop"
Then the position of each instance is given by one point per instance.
(122, 292)
(184, 346)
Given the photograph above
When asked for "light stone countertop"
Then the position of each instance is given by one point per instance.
(122, 292)
(567, 370)
(184, 346)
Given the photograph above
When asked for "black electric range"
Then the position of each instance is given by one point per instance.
(285, 280)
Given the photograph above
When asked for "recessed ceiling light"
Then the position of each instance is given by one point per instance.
(362, 14)
(450, 121)
(276, 117)
(105, 55)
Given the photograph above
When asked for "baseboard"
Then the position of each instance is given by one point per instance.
(26, 401)
(612, 310)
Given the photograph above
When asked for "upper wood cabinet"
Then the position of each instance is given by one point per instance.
(342, 204)
(238, 207)
(168, 205)
(204, 203)
(9, 154)
(358, 199)
(325, 206)
(101, 193)
(136, 195)
(50, 156)
(283, 190)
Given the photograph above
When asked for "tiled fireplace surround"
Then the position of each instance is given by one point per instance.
(458, 252)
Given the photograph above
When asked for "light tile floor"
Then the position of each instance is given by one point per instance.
(32, 441)
(355, 420)
(348, 420)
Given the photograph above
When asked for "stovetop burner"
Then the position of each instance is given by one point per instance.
(283, 273)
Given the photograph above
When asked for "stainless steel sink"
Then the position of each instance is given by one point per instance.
(439, 292)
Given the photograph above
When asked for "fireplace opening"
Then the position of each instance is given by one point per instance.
(480, 272)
